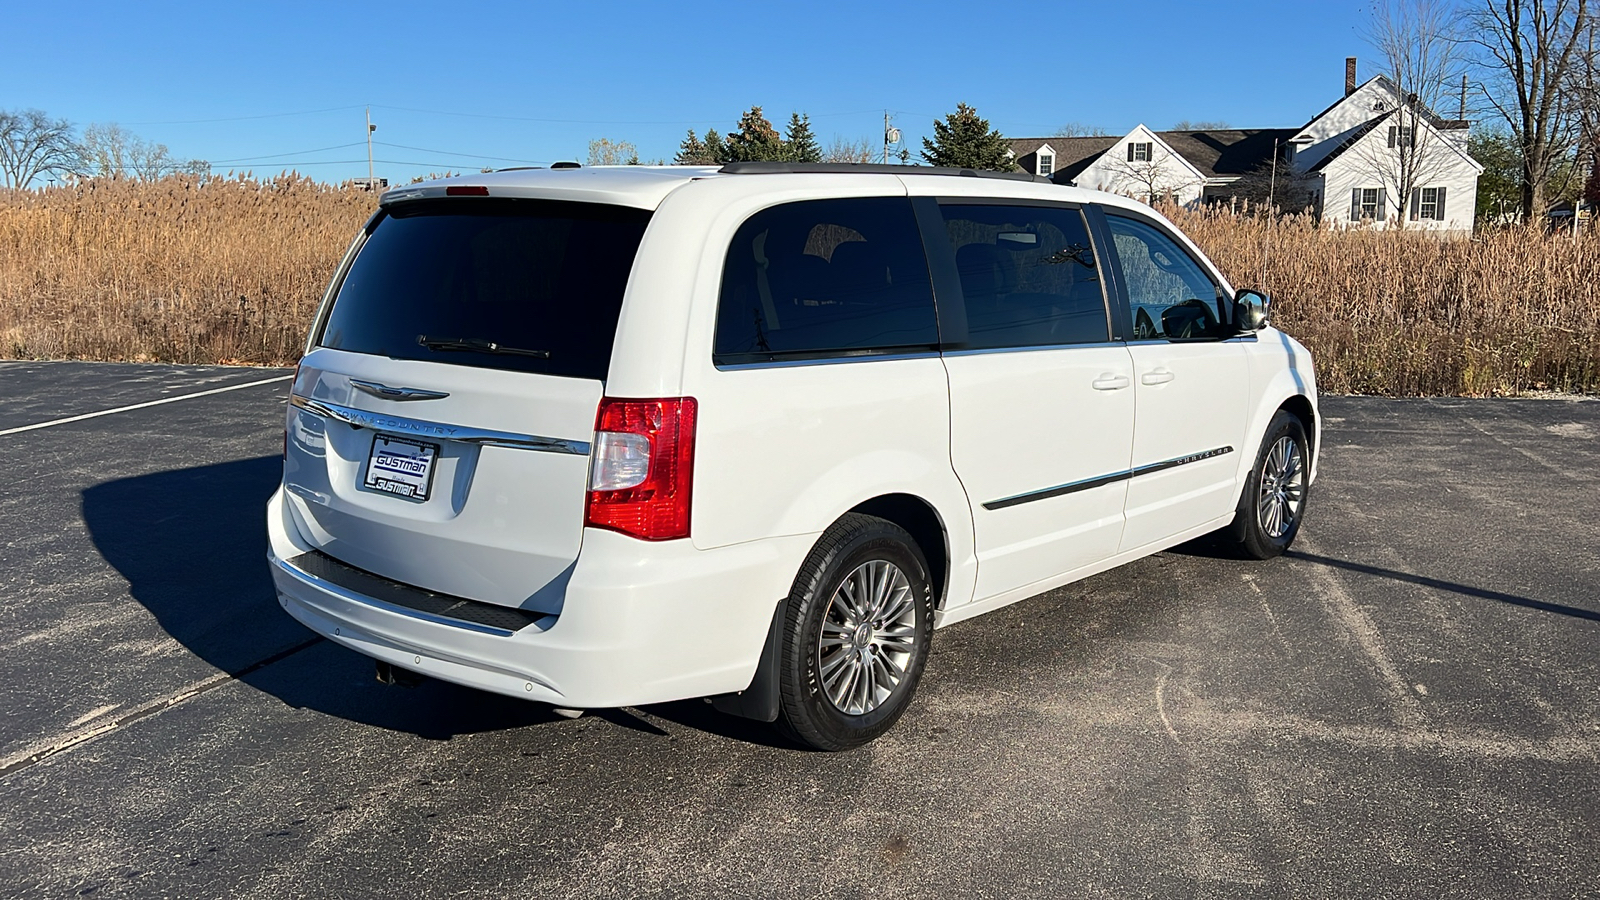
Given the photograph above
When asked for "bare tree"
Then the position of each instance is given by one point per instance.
(111, 151)
(1145, 179)
(606, 152)
(843, 150)
(1529, 53)
(33, 145)
(1202, 125)
(1078, 129)
(1419, 51)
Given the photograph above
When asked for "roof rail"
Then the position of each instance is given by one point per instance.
(777, 168)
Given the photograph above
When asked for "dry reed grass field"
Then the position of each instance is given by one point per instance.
(193, 270)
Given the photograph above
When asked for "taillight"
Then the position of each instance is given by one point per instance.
(641, 469)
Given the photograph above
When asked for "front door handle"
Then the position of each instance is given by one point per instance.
(1159, 376)
(1111, 382)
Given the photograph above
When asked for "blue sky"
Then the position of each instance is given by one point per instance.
(502, 83)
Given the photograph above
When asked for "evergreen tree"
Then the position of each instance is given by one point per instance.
(690, 152)
(800, 143)
(963, 140)
(755, 139)
(716, 149)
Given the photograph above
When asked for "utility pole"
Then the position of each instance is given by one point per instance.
(886, 137)
(372, 183)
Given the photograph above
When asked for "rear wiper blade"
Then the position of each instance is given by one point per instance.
(479, 345)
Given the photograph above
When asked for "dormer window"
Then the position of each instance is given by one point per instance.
(1047, 164)
(1140, 152)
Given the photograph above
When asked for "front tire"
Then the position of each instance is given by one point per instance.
(855, 640)
(1274, 500)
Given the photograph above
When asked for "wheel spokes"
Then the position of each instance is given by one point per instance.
(867, 636)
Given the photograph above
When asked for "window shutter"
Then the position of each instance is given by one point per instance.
(1438, 208)
(1383, 202)
(1355, 205)
(1130, 152)
(1416, 203)
(1392, 135)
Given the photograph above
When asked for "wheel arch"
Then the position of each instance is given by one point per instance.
(922, 521)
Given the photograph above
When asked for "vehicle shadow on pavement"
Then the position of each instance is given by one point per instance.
(192, 544)
(1442, 585)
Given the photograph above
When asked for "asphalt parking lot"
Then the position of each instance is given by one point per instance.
(1408, 706)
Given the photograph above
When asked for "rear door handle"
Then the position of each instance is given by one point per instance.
(1159, 376)
(1111, 382)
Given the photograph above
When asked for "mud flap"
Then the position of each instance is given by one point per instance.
(760, 701)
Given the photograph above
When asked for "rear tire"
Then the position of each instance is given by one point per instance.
(856, 634)
(1273, 503)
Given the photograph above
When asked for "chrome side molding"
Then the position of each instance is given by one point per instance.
(1073, 487)
(384, 391)
(419, 428)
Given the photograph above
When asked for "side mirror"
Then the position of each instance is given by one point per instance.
(1251, 310)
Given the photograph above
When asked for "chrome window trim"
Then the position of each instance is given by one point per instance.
(980, 351)
(353, 597)
(419, 428)
(1073, 487)
(825, 361)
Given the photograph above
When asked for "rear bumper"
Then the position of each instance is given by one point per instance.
(640, 623)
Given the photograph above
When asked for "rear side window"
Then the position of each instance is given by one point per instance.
(540, 280)
(826, 278)
(1028, 275)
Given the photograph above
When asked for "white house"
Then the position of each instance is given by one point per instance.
(1371, 158)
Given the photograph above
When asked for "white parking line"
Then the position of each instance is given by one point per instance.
(107, 412)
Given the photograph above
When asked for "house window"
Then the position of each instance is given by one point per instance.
(1369, 203)
(1139, 152)
(1400, 136)
(1427, 204)
(1047, 164)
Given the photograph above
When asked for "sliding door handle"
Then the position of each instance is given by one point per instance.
(1159, 376)
(1111, 382)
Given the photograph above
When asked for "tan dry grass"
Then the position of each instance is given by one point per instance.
(198, 271)
(183, 270)
(1408, 313)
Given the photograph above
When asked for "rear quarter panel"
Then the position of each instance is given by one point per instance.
(781, 450)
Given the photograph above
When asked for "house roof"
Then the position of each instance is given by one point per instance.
(1372, 125)
(1214, 152)
(1354, 138)
(1073, 154)
(1226, 152)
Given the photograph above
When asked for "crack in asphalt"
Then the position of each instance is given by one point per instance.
(55, 746)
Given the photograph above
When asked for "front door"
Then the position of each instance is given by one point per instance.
(1190, 386)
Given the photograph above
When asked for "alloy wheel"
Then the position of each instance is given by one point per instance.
(867, 637)
(1282, 488)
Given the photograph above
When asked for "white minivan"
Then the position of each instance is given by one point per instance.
(603, 437)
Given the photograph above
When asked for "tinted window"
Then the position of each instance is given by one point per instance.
(1028, 275)
(524, 274)
(1169, 295)
(823, 278)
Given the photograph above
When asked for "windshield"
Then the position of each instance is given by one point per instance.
(524, 285)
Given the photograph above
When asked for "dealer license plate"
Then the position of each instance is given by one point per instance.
(401, 467)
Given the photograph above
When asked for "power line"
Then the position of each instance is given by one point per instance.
(389, 162)
(290, 153)
(304, 112)
(449, 153)
(694, 121)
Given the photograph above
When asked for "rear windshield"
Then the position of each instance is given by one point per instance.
(442, 280)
